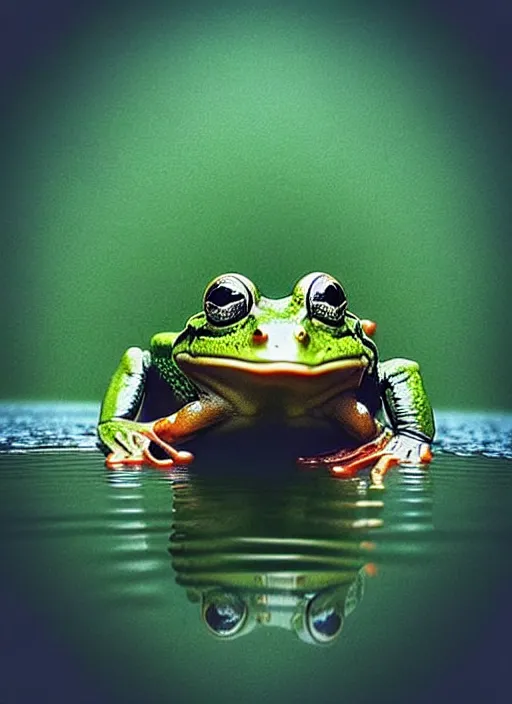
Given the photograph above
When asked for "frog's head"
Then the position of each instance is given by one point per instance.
(241, 337)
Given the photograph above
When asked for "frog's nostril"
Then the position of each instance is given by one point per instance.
(301, 335)
(259, 337)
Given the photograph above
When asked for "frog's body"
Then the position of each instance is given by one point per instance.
(300, 361)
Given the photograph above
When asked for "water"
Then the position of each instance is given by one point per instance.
(110, 578)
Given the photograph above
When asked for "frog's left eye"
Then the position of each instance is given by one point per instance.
(326, 301)
(227, 301)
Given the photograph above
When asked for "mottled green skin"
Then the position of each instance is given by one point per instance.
(199, 338)
(162, 356)
(325, 343)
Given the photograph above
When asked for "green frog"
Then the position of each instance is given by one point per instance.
(303, 361)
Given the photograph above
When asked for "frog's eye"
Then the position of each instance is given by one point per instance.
(324, 624)
(227, 300)
(224, 613)
(326, 301)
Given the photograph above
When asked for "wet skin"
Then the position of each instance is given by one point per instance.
(303, 361)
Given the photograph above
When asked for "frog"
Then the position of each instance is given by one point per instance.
(244, 360)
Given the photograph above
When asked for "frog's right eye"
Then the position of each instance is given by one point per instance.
(227, 301)
(224, 613)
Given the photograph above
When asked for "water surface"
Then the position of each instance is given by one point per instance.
(112, 580)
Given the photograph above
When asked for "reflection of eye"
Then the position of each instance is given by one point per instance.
(326, 301)
(227, 301)
(224, 614)
(324, 624)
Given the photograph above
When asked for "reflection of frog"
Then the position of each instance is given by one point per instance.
(300, 361)
(316, 615)
(294, 558)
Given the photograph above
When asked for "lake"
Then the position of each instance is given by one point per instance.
(250, 582)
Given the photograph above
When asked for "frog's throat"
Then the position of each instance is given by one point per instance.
(291, 384)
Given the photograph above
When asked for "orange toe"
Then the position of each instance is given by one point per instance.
(425, 453)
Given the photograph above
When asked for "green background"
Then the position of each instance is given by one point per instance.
(155, 147)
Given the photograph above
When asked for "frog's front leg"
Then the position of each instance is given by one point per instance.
(410, 414)
(124, 440)
(165, 432)
(120, 436)
(198, 415)
(127, 441)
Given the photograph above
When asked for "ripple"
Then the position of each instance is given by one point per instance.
(474, 433)
(32, 427)
(47, 426)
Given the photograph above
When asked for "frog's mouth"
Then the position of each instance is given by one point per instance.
(250, 385)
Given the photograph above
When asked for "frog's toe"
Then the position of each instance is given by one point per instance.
(425, 453)
(174, 456)
(351, 468)
(126, 450)
(382, 467)
(409, 451)
(120, 458)
(115, 460)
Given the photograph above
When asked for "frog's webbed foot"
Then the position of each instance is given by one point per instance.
(386, 451)
(403, 450)
(130, 444)
(347, 463)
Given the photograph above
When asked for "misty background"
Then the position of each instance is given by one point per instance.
(150, 146)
